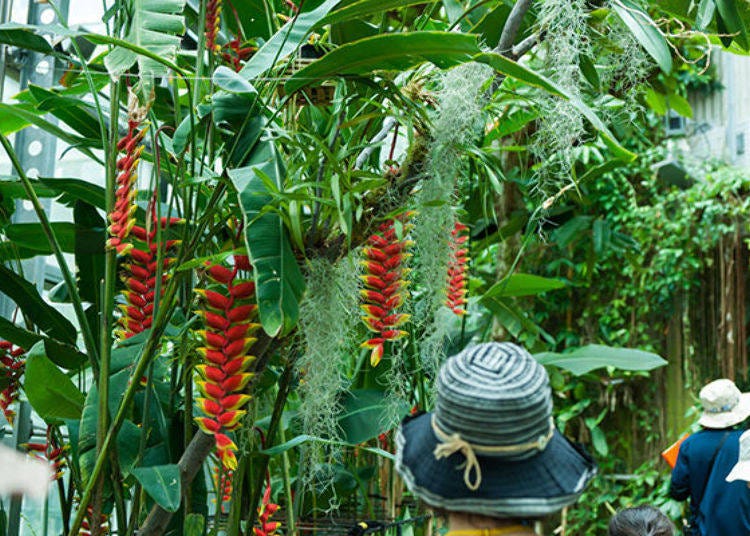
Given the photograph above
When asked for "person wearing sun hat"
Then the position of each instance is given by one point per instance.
(705, 459)
(489, 455)
(741, 470)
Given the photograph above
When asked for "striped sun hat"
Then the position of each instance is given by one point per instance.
(491, 447)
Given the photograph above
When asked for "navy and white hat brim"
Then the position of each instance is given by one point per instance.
(533, 487)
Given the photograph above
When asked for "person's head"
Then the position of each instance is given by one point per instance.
(640, 521)
(490, 446)
(724, 405)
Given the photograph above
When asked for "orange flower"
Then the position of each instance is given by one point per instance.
(385, 285)
(228, 317)
(222, 478)
(458, 266)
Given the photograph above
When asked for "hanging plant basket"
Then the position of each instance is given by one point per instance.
(318, 95)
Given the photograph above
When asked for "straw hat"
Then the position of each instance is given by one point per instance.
(723, 404)
(491, 447)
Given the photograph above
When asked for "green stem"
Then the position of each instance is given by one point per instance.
(70, 283)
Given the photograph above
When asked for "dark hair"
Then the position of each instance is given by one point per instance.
(640, 521)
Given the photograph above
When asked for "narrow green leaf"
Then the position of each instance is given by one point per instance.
(162, 483)
(399, 51)
(300, 439)
(285, 41)
(645, 31)
(587, 358)
(50, 392)
(522, 285)
(705, 14)
(88, 247)
(46, 317)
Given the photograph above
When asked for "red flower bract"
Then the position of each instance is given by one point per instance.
(458, 266)
(265, 511)
(12, 364)
(213, 24)
(229, 322)
(385, 284)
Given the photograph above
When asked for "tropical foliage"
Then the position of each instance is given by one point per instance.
(307, 206)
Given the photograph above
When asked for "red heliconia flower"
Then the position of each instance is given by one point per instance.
(140, 276)
(51, 452)
(87, 522)
(235, 53)
(458, 266)
(12, 365)
(385, 284)
(222, 478)
(122, 217)
(265, 511)
(213, 24)
(228, 314)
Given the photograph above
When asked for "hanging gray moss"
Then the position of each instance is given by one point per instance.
(560, 124)
(456, 124)
(328, 316)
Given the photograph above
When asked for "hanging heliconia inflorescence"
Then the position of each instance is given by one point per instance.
(385, 284)
(265, 511)
(228, 316)
(122, 217)
(140, 274)
(458, 265)
(12, 364)
(51, 452)
(222, 478)
(213, 25)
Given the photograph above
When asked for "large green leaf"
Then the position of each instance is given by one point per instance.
(594, 356)
(364, 414)
(64, 355)
(46, 317)
(50, 392)
(31, 235)
(69, 190)
(24, 37)
(156, 25)
(162, 483)
(522, 285)
(645, 31)
(365, 8)
(514, 319)
(278, 280)
(25, 114)
(388, 52)
(730, 18)
(75, 113)
(285, 41)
